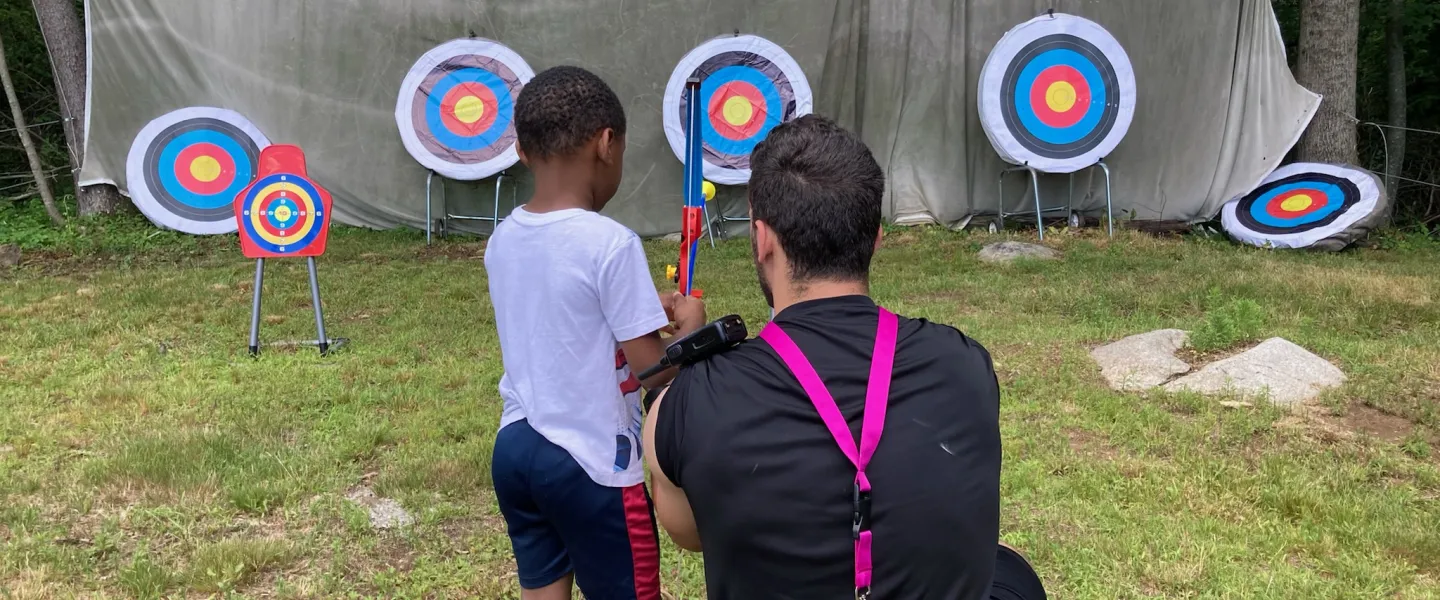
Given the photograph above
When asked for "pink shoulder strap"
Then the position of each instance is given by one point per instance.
(877, 396)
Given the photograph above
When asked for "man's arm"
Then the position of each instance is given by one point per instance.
(672, 508)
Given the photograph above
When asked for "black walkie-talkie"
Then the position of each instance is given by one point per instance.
(699, 345)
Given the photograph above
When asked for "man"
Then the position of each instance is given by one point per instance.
(743, 463)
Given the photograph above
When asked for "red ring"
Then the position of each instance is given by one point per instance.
(1318, 200)
(745, 90)
(453, 97)
(200, 150)
(265, 206)
(1052, 75)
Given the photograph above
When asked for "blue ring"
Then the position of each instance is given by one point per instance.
(305, 186)
(1334, 200)
(505, 107)
(774, 109)
(294, 214)
(1058, 135)
(171, 154)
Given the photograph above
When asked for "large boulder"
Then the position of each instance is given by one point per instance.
(1140, 362)
(1001, 252)
(1277, 369)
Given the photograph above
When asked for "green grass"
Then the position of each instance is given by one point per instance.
(142, 454)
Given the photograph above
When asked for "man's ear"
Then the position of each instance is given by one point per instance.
(765, 241)
(879, 235)
(523, 160)
(606, 149)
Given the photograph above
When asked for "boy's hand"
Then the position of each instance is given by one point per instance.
(688, 313)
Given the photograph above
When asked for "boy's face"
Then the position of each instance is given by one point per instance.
(609, 163)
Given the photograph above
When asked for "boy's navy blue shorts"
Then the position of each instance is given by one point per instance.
(561, 521)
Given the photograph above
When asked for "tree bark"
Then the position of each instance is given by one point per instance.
(42, 179)
(1329, 32)
(65, 39)
(1395, 49)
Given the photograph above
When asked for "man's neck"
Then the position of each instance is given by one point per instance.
(816, 290)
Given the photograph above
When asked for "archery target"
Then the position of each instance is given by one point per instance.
(457, 106)
(1302, 204)
(1057, 93)
(185, 168)
(283, 214)
(748, 86)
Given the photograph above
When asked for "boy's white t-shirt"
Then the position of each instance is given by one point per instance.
(568, 286)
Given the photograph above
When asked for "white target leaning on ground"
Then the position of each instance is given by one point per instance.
(1057, 94)
(1302, 205)
(186, 167)
(456, 108)
(748, 86)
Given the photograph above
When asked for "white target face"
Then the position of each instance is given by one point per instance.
(185, 168)
(1301, 204)
(456, 110)
(1057, 93)
(748, 86)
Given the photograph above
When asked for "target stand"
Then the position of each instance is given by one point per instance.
(1073, 218)
(1057, 95)
(442, 226)
(283, 214)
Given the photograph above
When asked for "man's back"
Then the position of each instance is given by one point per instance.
(771, 491)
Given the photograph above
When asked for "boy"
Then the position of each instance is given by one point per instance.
(576, 307)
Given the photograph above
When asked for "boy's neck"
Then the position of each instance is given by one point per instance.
(560, 186)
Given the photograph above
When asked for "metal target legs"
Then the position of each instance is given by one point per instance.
(1073, 215)
(324, 343)
(446, 215)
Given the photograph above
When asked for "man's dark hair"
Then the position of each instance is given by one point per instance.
(819, 188)
(561, 109)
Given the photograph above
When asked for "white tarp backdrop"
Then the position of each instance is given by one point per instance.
(1217, 106)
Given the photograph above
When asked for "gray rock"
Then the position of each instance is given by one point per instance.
(1277, 369)
(1007, 251)
(674, 237)
(385, 513)
(9, 255)
(1141, 362)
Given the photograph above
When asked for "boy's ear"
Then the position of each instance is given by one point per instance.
(521, 151)
(606, 145)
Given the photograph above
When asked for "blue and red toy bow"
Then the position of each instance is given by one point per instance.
(697, 190)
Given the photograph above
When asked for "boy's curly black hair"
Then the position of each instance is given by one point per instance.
(561, 109)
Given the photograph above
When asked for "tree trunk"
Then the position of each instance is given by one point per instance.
(42, 179)
(1329, 32)
(65, 39)
(1395, 48)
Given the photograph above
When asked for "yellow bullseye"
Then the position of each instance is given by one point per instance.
(282, 213)
(469, 110)
(1060, 96)
(738, 111)
(1297, 203)
(205, 169)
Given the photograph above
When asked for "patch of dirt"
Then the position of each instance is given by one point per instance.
(1198, 360)
(1090, 444)
(452, 251)
(1375, 423)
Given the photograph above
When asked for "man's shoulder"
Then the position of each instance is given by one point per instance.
(931, 336)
